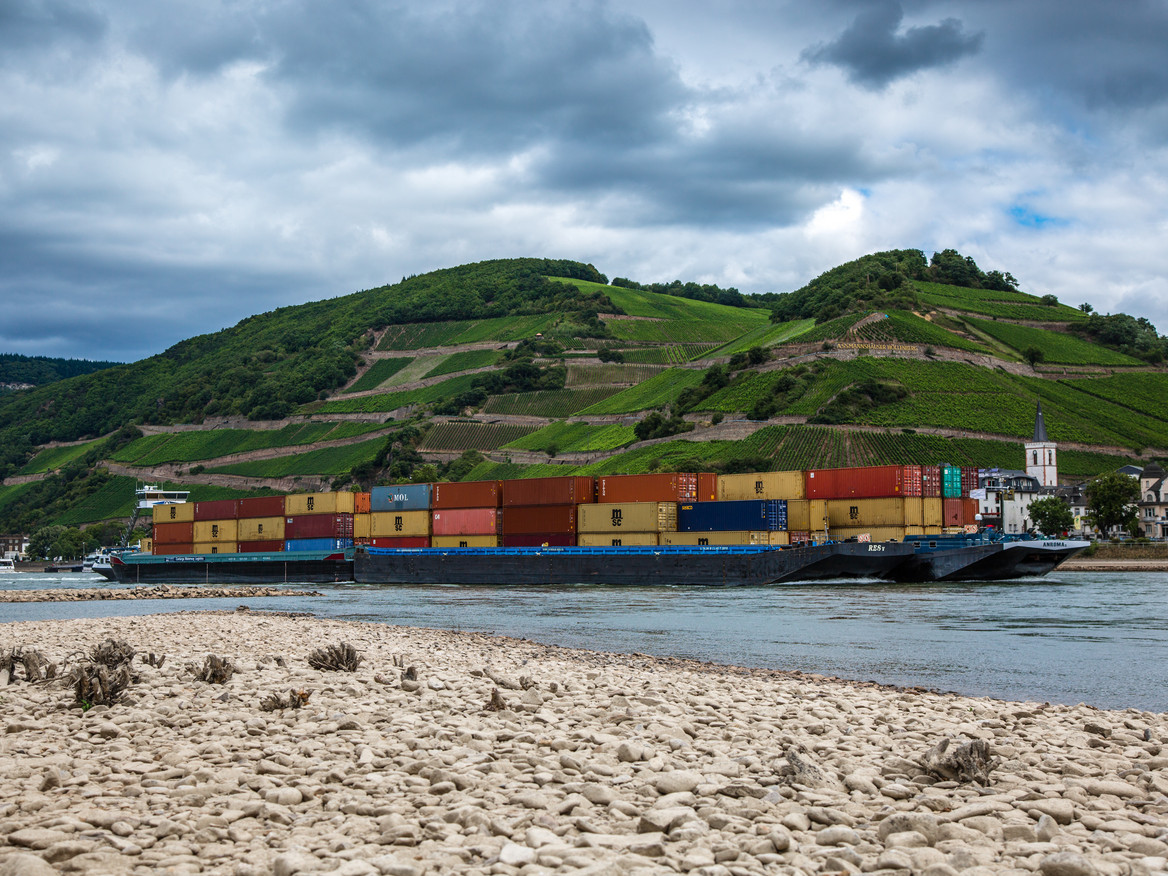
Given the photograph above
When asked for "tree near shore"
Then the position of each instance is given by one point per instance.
(1111, 502)
(1051, 515)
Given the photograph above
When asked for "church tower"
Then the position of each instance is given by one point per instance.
(1042, 454)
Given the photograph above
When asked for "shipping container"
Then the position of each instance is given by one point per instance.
(707, 487)
(261, 506)
(950, 482)
(616, 539)
(183, 513)
(726, 537)
(318, 526)
(262, 547)
(866, 482)
(671, 487)
(145, 545)
(172, 549)
(959, 512)
(466, 521)
(807, 514)
(220, 509)
(317, 544)
(798, 536)
(174, 533)
(464, 541)
(549, 491)
(215, 547)
(361, 527)
(399, 524)
(969, 481)
(769, 515)
(412, 541)
(403, 497)
(627, 517)
(215, 530)
(300, 504)
(472, 494)
(873, 533)
(261, 529)
(540, 539)
(539, 519)
(903, 511)
(931, 484)
(761, 485)
(362, 503)
(913, 484)
(931, 512)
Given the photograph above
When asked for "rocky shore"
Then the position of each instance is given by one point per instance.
(452, 752)
(157, 591)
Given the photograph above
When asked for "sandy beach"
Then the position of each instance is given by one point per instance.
(502, 756)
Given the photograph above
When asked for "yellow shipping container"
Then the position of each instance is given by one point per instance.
(387, 524)
(261, 529)
(145, 545)
(216, 530)
(874, 533)
(615, 539)
(318, 503)
(898, 511)
(467, 541)
(932, 513)
(627, 516)
(729, 537)
(216, 547)
(761, 485)
(361, 526)
(184, 513)
(806, 514)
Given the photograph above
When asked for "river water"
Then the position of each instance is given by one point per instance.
(1070, 637)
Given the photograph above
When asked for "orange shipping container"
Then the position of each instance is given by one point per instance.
(707, 487)
(671, 487)
(474, 494)
(362, 503)
(174, 533)
(466, 521)
(531, 519)
(220, 509)
(549, 491)
(261, 506)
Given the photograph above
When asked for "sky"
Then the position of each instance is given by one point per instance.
(169, 168)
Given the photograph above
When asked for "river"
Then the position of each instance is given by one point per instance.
(1071, 637)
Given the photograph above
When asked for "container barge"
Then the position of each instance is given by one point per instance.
(284, 567)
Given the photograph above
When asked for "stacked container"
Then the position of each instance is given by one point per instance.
(761, 485)
(542, 511)
(261, 524)
(466, 515)
(398, 517)
(216, 529)
(318, 521)
(174, 528)
(869, 482)
(624, 523)
(931, 481)
(951, 482)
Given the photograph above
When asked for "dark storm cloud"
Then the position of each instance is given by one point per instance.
(874, 54)
(28, 26)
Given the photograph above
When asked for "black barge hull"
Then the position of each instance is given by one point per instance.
(316, 567)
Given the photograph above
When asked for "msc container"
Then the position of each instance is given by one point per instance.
(627, 517)
(873, 533)
(672, 487)
(261, 529)
(931, 511)
(727, 537)
(172, 513)
(318, 526)
(534, 519)
(464, 541)
(174, 533)
(412, 541)
(904, 511)
(540, 539)
(261, 547)
(404, 497)
(171, 549)
(399, 524)
(300, 504)
(616, 539)
(215, 530)
(867, 482)
(549, 491)
(221, 509)
(931, 484)
(473, 494)
(806, 514)
(215, 547)
(466, 521)
(362, 503)
(768, 515)
(761, 485)
(317, 544)
(261, 506)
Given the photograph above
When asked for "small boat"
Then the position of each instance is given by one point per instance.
(7, 564)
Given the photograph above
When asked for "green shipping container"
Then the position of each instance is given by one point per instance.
(950, 482)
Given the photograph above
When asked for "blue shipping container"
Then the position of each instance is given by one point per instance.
(404, 497)
(769, 515)
(317, 544)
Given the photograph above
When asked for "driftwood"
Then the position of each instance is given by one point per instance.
(112, 654)
(36, 666)
(496, 703)
(215, 670)
(335, 658)
(971, 762)
(294, 700)
(155, 660)
(95, 684)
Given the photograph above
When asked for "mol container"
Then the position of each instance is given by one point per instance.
(534, 519)
(905, 511)
(206, 531)
(412, 541)
(776, 539)
(404, 497)
(399, 524)
(464, 541)
(549, 491)
(261, 506)
(184, 513)
(473, 494)
(215, 547)
(672, 487)
(466, 521)
(767, 515)
(174, 533)
(867, 482)
(950, 482)
(221, 509)
(261, 529)
(931, 484)
(616, 539)
(300, 504)
(317, 544)
(540, 539)
(318, 526)
(627, 517)
(761, 485)
(261, 547)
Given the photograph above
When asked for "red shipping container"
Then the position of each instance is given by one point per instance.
(672, 487)
(174, 533)
(402, 541)
(362, 503)
(548, 491)
(539, 519)
(968, 511)
(538, 539)
(170, 549)
(952, 512)
(931, 483)
(474, 494)
(798, 536)
(221, 509)
(707, 487)
(466, 521)
(261, 547)
(865, 482)
(261, 506)
(318, 526)
(912, 480)
(969, 481)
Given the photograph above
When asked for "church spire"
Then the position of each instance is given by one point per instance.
(1039, 426)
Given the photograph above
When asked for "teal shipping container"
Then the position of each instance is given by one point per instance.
(403, 497)
(950, 482)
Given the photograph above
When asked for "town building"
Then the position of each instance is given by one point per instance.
(13, 547)
(1153, 504)
(1042, 454)
(1004, 495)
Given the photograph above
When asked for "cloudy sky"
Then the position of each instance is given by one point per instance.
(168, 168)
